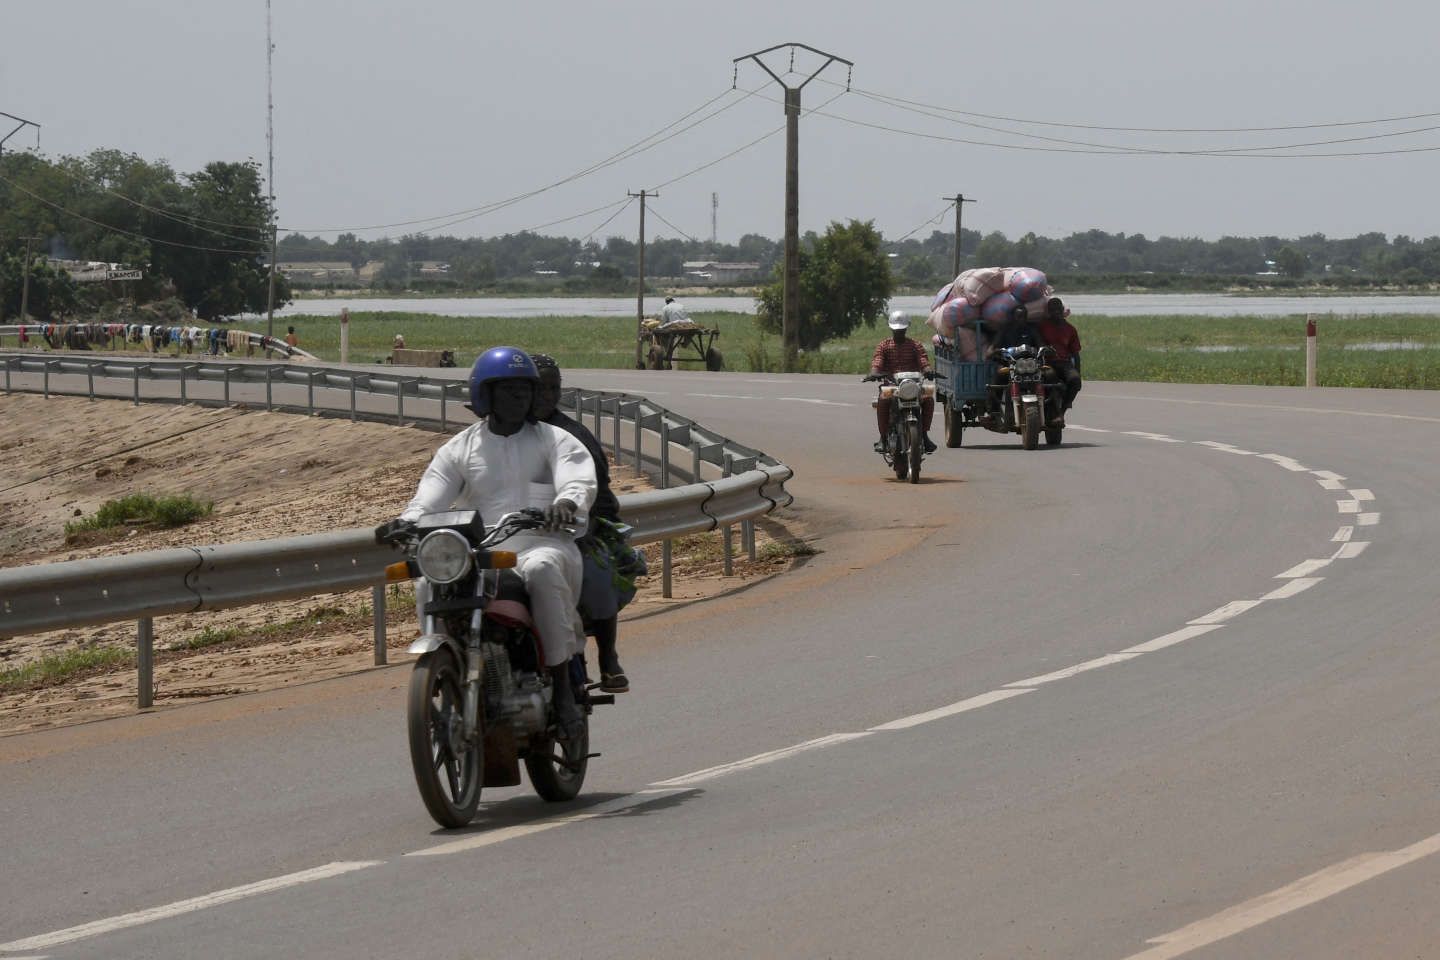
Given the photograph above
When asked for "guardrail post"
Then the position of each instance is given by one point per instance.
(399, 403)
(352, 397)
(665, 545)
(90, 378)
(377, 595)
(7, 374)
(616, 425)
(226, 379)
(310, 392)
(47, 379)
(597, 414)
(729, 529)
(444, 393)
(269, 393)
(137, 386)
(183, 399)
(638, 468)
(145, 660)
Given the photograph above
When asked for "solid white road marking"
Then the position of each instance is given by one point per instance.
(1304, 569)
(1232, 609)
(1351, 549)
(709, 773)
(1348, 506)
(1298, 585)
(492, 837)
(1068, 672)
(1170, 639)
(1343, 534)
(974, 703)
(1367, 519)
(1302, 893)
(94, 928)
(1362, 494)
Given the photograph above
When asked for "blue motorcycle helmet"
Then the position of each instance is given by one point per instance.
(498, 363)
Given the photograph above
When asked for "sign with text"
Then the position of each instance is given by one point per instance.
(123, 274)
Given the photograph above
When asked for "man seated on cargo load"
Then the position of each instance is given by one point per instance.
(1062, 337)
(895, 355)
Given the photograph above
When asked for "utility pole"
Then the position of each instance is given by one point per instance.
(25, 283)
(791, 317)
(20, 126)
(958, 199)
(640, 288)
(270, 177)
(714, 218)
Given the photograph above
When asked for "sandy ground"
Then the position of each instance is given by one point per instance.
(269, 475)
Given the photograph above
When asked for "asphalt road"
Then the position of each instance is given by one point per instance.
(1169, 690)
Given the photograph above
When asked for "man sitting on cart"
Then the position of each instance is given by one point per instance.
(1062, 337)
(895, 355)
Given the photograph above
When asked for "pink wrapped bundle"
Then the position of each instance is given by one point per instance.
(960, 312)
(937, 322)
(980, 284)
(1027, 284)
(997, 310)
(942, 296)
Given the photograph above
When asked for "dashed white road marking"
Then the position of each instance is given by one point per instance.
(974, 703)
(1367, 519)
(1078, 668)
(823, 403)
(1152, 436)
(709, 773)
(1352, 549)
(1304, 569)
(1289, 463)
(724, 396)
(1075, 426)
(1361, 494)
(1327, 474)
(1231, 610)
(1332, 484)
(97, 927)
(1298, 585)
(1302, 893)
(1343, 535)
(1348, 506)
(1225, 447)
(1170, 639)
(492, 837)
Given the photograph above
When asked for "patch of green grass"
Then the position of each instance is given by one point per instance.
(784, 550)
(56, 668)
(142, 508)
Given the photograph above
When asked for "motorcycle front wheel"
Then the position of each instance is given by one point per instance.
(447, 771)
(557, 767)
(1030, 430)
(915, 449)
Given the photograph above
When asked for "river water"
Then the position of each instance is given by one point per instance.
(1122, 305)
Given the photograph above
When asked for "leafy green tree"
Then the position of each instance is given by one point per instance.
(52, 296)
(844, 281)
(1292, 262)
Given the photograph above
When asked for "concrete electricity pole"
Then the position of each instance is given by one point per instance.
(791, 316)
(270, 176)
(958, 199)
(640, 289)
(25, 282)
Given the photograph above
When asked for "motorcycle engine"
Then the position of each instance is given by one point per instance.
(512, 697)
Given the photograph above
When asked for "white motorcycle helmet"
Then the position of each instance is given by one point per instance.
(899, 320)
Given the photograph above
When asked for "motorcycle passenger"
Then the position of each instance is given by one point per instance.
(1062, 337)
(604, 551)
(509, 462)
(892, 356)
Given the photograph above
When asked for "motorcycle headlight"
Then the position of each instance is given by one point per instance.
(908, 389)
(1027, 365)
(443, 556)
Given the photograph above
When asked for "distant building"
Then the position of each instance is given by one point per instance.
(720, 272)
(319, 271)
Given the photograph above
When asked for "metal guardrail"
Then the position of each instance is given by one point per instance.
(253, 339)
(189, 579)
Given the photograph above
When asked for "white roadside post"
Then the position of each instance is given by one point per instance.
(344, 334)
(1310, 350)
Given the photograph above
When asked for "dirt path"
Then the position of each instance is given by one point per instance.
(268, 475)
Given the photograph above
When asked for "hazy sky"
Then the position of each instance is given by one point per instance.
(389, 112)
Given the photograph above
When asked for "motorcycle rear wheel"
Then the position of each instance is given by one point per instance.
(914, 449)
(447, 773)
(557, 767)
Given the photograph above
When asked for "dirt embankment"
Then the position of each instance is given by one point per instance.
(268, 475)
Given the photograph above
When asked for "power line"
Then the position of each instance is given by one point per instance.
(603, 225)
(872, 94)
(671, 225)
(636, 148)
(935, 219)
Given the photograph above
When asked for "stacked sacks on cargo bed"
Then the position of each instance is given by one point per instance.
(988, 294)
